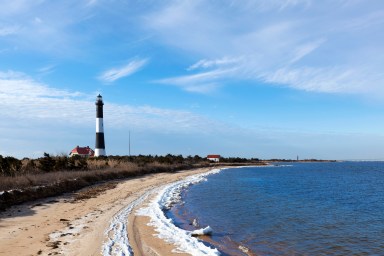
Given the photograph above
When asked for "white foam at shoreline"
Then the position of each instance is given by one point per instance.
(203, 231)
(166, 197)
(117, 236)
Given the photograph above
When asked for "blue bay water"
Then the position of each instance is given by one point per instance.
(299, 209)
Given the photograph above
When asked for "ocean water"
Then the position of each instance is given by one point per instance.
(295, 209)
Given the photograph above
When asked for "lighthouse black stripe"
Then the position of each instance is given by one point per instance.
(100, 140)
(100, 144)
(99, 111)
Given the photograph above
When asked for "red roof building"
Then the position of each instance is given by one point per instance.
(214, 158)
(82, 151)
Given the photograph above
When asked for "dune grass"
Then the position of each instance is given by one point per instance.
(20, 189)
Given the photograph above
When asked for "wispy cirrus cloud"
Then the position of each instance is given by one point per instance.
(44, 26)
(267, 35)
(285, 42)
(207, 63)
(329, 80)
(113, 74)
(48, 69)
(305, 49)
(204, 82)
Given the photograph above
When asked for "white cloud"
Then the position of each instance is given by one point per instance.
(330, 80)
(286, 42)
(204, 82)
(8, 30)
(31, 102)
(27, 99)
(114, 74)
(17, 84)
(255, 37)
(306, 49)
(205, 63)
(41, 118)
(366, 21)
(45, 26)
(47, 69)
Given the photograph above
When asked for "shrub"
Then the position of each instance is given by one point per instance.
(47, 163)
(10, 166)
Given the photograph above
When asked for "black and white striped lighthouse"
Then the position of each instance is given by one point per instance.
(100, 144)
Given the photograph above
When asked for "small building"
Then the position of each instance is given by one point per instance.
(213, 158)
(82, 151)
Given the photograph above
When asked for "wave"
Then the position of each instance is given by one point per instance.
(165, 198)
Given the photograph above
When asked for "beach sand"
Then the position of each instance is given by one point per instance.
(74, 224)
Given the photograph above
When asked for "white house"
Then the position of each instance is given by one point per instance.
(213, 158)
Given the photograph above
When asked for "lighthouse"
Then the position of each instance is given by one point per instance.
(100, 144)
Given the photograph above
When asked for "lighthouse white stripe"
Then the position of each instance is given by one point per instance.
(99, 125)
(100, 152)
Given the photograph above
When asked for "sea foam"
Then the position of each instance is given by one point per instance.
(167, 196)
(202, 232)
(117, 237)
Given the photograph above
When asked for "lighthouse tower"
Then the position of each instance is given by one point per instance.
(100, 145)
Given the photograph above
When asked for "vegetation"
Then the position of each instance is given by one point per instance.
(29, 179)
(9, 166)
(13, 167)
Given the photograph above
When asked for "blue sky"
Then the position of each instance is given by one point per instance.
(261, 78)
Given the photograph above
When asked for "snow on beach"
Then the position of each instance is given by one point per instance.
(165, 198)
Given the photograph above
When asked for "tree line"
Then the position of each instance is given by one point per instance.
(11, 166)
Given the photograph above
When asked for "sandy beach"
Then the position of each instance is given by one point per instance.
(81, 223)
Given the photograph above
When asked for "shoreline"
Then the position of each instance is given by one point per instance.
(74, 227)
(150, 213)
